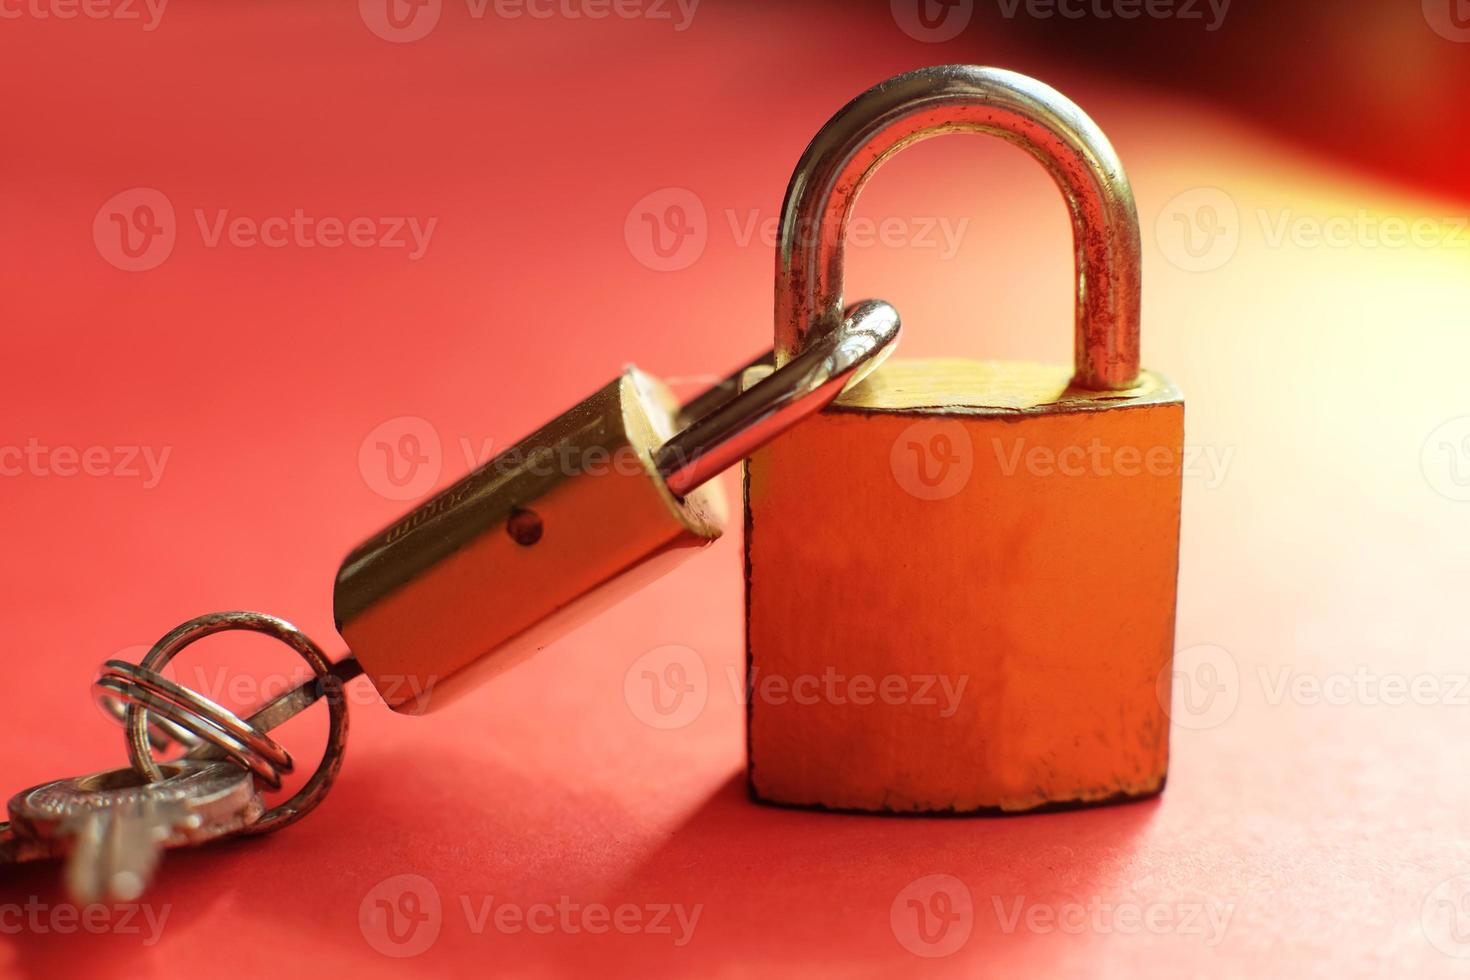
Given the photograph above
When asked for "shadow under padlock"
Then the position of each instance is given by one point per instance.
(961, 576)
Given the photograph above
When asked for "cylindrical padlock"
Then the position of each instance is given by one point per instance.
(935, 622)
(596, 503)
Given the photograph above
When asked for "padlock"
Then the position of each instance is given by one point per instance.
(591, 506)
(961, 575)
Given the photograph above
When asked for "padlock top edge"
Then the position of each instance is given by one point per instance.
(954, 386)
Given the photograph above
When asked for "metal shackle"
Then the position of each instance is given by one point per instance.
(964, 98)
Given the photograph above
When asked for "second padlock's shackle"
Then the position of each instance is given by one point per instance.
(964, 98)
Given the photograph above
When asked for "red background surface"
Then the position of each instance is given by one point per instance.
(1328, 833)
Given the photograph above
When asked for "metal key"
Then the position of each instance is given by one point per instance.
(112, 827)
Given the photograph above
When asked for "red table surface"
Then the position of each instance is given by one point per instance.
(1325, 536)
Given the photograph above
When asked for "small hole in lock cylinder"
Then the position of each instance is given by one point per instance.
(524, 527)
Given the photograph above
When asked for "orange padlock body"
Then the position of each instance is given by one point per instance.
(960, 585)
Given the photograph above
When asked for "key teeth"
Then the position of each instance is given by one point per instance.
(81, 880)
(106, 863)
(115, 854)
(127, 886)
(89, 863)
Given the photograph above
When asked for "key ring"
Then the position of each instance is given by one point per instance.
(147, 690)
(192, 712)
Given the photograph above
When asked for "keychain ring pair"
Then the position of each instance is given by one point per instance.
(245, 742)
